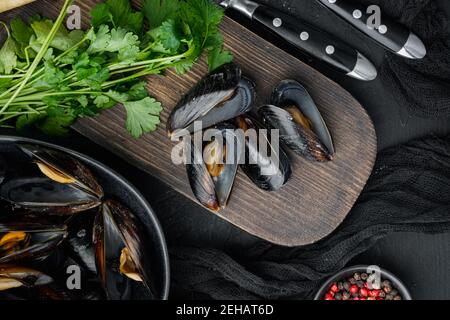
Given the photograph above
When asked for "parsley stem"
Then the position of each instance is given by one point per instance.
(40, 54)
(148, 62)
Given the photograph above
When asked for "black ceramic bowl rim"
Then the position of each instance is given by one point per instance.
(397, 283)
(135, 193)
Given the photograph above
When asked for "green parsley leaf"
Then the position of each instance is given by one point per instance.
(138, 91)
(158, 11)
(27, 120)
(20, 31)
(100, 14)
(57, 122)
(142, 116)
(218, 57)
(168, 35)
(102, 101)
(62, 41)
(118, 96)
(8, 57)
(117, 13)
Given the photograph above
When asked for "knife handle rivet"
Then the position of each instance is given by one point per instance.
(330, 50)
(277, 22)
(357, 14)
(383, 29)
(304, 35)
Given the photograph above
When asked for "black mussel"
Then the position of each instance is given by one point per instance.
(12, 277)
(64, 169)
(300, 124)
(25, 245)
(122, 257)
(212, 167)
(267, 166)
(220, 96)
(79, 243)
(42, 194)
(2, 169)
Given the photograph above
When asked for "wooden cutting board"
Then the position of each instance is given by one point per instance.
(317, 198)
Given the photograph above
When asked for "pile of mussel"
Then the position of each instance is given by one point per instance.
(224, 100)
(56, 223)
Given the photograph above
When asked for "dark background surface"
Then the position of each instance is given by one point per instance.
(421, 261)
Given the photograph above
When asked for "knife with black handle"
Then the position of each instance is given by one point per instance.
(390, 34)
(308, 38)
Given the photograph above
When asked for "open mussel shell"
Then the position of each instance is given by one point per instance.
(79, 241)
(118, 235)
(301, 126)
(15, 277)
(2, 169)
(63, 168)
(44, 195)
(219, 97)
(268, 167)
(213, 166)
(24, 244)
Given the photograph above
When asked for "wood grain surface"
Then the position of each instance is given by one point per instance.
(317, 198)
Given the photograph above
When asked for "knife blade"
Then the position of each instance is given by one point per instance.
(308, 38)
(390, 34)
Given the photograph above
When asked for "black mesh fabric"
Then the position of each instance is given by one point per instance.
(407, 192)
(423, 86)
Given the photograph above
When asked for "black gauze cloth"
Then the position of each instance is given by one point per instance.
(407, 192)
(420, 86)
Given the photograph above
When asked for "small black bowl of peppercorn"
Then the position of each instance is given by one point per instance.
(359, 283)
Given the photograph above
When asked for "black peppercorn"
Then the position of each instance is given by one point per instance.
(357, 276)
(347, 286)
(364, 276)
(352, 280)
(386, 283)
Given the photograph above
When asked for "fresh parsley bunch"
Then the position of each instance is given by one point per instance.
(50, 76)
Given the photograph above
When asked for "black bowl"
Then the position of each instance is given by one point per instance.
(115, 187)
(348, 272)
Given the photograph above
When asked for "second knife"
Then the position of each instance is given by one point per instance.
(310, 39)
(390, 34)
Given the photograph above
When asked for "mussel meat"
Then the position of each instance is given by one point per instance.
(268, 168)
(121, 256)
(62, 168)
(213, 166)
(300, 124)
(15, 277)
(219, 97)
(25, 245)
